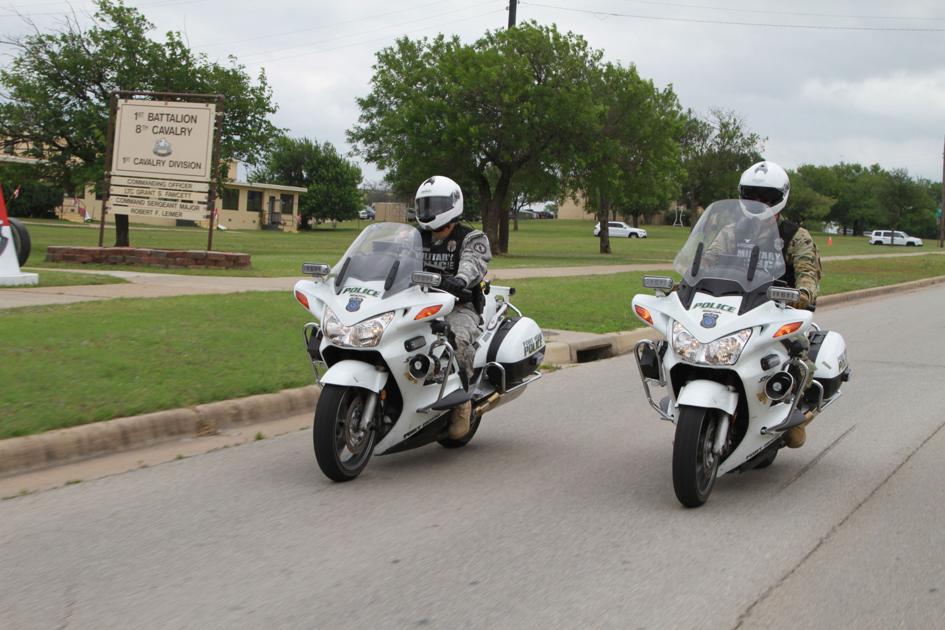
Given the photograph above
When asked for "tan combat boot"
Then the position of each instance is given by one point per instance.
(459, 422)
(796, 436)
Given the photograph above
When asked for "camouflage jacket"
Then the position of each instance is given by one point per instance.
(803, 262)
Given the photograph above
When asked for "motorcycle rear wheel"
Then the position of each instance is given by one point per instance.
(342, 450)
(21, 241)
(694, 464)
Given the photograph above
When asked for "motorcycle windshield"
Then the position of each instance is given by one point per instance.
(385, 252)
(735, 240)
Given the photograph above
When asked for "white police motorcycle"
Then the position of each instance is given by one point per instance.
(731, 357)
(382, 352)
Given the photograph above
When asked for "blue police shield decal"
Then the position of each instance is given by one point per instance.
(709, 319)
(354, 303)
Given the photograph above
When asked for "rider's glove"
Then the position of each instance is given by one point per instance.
(804, 300)
(454, 285)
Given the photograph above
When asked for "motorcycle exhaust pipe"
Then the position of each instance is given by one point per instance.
(489, 403)
(779, 386)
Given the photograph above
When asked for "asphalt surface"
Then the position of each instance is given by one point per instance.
(560, 513)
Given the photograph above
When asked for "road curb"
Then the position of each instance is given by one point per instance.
(34, 452)
(615, 344)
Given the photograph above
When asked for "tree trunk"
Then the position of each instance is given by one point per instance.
(122, 233)
(515, 222)
(504, 229)
(603, 213)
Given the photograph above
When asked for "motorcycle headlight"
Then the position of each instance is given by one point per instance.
(723, 351)
(366, 334)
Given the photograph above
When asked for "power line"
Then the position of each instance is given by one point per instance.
(320, 27)
(156, 5)
(733, 23)
(370, 41)
(773, 12)
(248, 58)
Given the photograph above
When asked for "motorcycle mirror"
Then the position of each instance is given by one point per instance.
(318, 270)
(779, 294)
(658, 282)
(425, 278)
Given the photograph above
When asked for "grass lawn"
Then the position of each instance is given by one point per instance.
(557, 243)
(92, 361)
(49, 278)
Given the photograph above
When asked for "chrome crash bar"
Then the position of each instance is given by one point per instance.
(637, 349)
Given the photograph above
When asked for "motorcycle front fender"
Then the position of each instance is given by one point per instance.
(350, 373)
(708, 395)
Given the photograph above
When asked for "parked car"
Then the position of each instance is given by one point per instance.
(524, 215)
(366, 213)
(882, 237)
(619, 228)
(544, 214)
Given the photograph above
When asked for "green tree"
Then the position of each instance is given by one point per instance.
(517, 101)
(715, 152)
(805, 204)
(905, 203)
(35, 199)
(59, 83)
(332, 181)
(631, 162)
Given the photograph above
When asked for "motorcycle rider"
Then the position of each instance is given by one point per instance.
(768, 183)
(461, 255)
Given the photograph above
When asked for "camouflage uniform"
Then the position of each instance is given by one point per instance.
(465, 254)
(803, 262)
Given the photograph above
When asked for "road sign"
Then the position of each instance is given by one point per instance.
(159, 193)
(167, 184)
(160, 208)
(165, 139)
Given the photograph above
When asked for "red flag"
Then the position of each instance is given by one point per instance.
(4, 220)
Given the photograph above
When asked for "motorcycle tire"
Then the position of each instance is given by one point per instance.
(766, 459)
(695, 466)
(463, 441)
(331, 433)
(21, 240)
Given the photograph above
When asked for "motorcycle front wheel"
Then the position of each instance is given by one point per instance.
(694, 464)
(342, 448)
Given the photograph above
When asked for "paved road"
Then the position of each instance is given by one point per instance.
(560, 513)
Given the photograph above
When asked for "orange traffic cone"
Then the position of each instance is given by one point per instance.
(829, 240)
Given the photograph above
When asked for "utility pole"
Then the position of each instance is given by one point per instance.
(941, 208)
(512, 4)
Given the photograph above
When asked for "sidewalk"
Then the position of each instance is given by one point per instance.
(149, 285)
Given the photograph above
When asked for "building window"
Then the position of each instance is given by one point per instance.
(231, 199)
(9, 147)
(288, 204)
(254, 200)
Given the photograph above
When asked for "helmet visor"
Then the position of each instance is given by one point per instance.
(764, 194)
(429, 207)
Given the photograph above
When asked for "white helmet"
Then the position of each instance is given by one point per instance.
(765, 182)
(439, 202)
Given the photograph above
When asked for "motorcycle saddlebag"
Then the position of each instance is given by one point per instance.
(828, 351)
(519, 346)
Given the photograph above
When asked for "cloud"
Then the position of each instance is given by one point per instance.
(915, 97)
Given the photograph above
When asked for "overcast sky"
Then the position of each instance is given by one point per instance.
(820, 95)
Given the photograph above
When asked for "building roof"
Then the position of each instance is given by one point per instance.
(15, 159)
(254, 185)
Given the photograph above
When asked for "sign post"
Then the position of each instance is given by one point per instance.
(162, 156)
